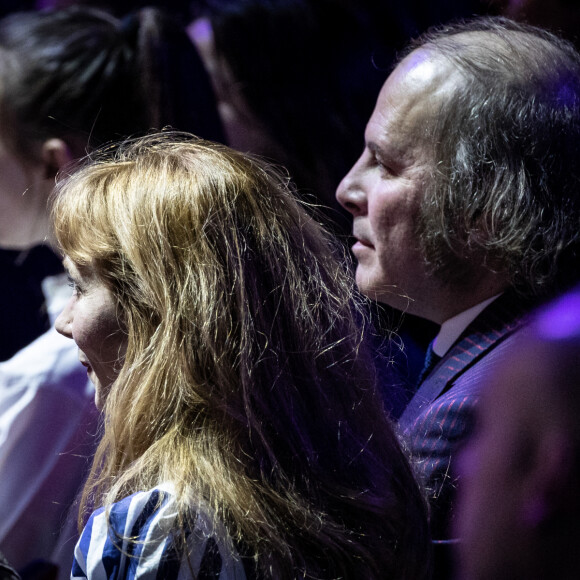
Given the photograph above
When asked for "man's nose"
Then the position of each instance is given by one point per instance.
(350, 194)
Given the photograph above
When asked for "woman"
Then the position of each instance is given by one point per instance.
(241, 421)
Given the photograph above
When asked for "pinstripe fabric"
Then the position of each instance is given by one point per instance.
(136, 543)
(440, 415)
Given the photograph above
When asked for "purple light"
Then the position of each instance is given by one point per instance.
(561, 319)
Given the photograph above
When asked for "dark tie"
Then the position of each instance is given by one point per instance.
(431, 359)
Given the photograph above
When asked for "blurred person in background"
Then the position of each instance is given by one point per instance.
(518, 506)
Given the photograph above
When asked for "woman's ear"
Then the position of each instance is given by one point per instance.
(55, 155)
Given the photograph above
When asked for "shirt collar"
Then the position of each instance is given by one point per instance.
(451, 329)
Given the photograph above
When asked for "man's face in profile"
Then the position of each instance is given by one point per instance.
(384, 189)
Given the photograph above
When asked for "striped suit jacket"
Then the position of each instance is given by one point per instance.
(440, 415)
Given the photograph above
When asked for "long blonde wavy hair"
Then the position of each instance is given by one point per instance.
(247, 380)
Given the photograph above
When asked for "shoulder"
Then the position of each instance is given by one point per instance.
(135, 538)
(110, 538)
(456, 382)
(447, 418)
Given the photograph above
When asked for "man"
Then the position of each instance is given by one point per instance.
(518, 505)
(466, 205)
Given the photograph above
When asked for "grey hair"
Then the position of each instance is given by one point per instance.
(505, 191)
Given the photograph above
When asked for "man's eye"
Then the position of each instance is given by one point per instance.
(384, 166)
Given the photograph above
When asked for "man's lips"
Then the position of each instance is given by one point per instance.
(362, 242)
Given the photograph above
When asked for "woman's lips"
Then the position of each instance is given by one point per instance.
(85, 364)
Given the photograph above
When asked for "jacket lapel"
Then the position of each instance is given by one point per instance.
(502, 317)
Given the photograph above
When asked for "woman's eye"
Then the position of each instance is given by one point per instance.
(75, 287)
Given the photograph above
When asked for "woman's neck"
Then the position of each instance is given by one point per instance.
(24, 217)
(20, 230)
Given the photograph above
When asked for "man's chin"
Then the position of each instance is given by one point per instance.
(390, 295)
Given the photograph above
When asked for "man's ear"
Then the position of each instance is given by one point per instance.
(55, 154)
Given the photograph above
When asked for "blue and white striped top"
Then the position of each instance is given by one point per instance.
(105, 552)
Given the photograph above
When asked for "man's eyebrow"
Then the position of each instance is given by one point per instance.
(383, 149)
(385, 152)
(373, 147)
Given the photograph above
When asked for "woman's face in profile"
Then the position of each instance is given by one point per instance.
(90, 319)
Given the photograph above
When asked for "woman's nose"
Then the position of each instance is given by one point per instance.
(63, 322)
